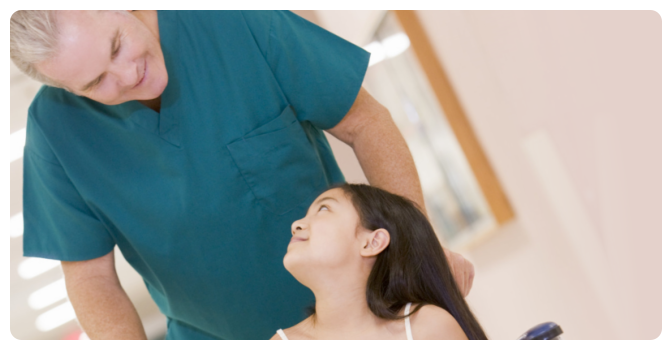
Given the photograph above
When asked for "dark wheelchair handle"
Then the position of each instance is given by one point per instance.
(543, 331)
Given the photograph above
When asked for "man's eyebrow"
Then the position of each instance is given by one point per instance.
(113, 41)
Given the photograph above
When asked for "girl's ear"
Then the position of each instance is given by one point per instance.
(375, 242)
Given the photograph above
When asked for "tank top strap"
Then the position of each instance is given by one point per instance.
(282, 334)
(407, 322)
(407, 325)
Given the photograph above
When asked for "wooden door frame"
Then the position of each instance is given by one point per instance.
(445, 94)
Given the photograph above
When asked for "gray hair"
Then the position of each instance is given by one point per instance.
(33, 37)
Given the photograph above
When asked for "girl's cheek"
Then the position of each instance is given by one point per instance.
(335, 253)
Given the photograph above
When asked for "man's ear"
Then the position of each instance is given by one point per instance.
(375, 242)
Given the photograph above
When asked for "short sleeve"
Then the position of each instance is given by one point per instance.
(319, 72)
(57, 222)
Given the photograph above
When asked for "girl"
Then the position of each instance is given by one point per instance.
(377, 271)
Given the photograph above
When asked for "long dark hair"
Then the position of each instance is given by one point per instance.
(413, 268)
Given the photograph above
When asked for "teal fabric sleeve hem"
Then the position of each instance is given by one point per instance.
(57, 222)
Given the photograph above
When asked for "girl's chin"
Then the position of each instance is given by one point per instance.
(287, 262)
(291, 263)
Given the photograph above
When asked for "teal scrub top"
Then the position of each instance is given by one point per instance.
(201, 196)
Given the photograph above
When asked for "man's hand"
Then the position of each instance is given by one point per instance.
(462, 270)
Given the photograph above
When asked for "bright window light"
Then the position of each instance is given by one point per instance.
(17, 142)
(55, 317)
(16, 225)
(395, 44)
(377, 52)
(47, 295)
(32, 267)
(391, 46)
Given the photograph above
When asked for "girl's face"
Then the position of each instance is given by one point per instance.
(326, 239)
(108, 56)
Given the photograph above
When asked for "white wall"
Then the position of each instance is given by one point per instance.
(567, 106)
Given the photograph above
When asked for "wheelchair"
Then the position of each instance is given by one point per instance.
(543, 331)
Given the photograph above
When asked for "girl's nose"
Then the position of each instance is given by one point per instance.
(297, 226)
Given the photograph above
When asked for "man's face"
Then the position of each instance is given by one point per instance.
(108, 56)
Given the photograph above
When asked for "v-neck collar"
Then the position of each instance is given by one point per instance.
(165, 123)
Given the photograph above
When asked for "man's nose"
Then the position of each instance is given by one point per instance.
(127, 73)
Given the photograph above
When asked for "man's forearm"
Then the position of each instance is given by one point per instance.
(386, 160)
(387, 163)
(104, 310)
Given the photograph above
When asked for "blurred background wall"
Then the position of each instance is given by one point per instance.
(567, 106)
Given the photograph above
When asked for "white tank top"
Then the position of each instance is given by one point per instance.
(407, 325)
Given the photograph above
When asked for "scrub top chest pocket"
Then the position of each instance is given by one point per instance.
(279, 164)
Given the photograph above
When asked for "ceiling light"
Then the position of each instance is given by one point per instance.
(16, 225)
(55, 317)
(391, 46)
(32, 267)
(16, 144)
(395, 44)
(377, 52)
(48, 295)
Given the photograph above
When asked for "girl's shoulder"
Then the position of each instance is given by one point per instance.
(299, 331)
(434, 322)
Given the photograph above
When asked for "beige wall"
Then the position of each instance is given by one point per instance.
(567, 106)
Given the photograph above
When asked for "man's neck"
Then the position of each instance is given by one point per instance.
(154, 104)
(151, 20)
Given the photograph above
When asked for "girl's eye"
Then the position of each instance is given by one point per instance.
(323, 206)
